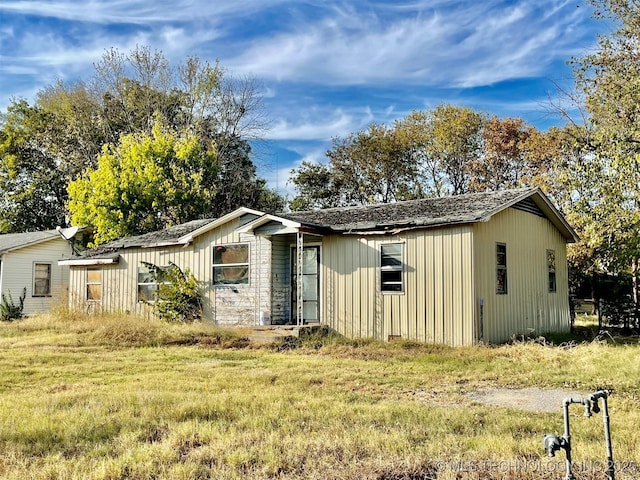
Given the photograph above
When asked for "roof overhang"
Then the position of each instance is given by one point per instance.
(102, 260)
(550, 211)
(286, 226)
(217, 222)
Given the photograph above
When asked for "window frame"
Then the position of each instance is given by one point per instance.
(552, 283)
(501, 269)
(150, 283)
(49, 280)
(392, 269)
(246, 264)
(88, 283)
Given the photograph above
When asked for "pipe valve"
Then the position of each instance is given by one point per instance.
(553, 443)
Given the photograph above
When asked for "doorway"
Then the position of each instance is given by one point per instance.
(310, 285)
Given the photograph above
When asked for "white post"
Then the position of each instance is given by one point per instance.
(299, 284)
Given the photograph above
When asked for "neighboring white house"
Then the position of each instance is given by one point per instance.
(30, 261)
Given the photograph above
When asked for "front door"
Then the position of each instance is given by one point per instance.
(310, 285)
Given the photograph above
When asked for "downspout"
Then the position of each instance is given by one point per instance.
(481, 320)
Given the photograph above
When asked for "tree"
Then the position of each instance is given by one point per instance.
(237, 181)
(455, 142)
(145, 183)
(369, 166)
(32, 188)
(609, 78)
(316, 187)
(415, 133)
(59, 138)
(425, 153)
(503, 163)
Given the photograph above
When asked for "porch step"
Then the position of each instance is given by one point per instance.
(265, 334)
(272, 335)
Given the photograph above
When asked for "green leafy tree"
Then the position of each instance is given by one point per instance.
(609, 80)
(370, 166)
(145, 183)
(32, 188)
(316, 187)
(455, 142)
(48, 145)
(425, 153)
(238, 182)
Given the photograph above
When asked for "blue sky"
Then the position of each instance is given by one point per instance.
(326, 68)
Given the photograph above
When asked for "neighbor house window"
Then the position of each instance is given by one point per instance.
(501, 268)
(231, 264)
(94, 284)
(391, 267)
(41, 279)
(148, 283)
(551, 269)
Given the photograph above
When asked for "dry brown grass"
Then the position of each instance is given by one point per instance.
(115, 397)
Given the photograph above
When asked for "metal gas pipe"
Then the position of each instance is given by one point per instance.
(553, 443)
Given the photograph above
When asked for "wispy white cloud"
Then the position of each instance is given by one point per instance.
(134, 11)
(328, 68)
(320, 125)
(463, 44)
(278, 173)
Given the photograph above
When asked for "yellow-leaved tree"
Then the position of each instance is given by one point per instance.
(146, 182)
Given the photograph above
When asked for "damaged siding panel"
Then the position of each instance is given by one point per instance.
(237, 304)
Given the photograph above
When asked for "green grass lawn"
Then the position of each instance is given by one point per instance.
(128, 398)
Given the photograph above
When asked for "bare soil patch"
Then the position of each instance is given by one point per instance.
(532, 399)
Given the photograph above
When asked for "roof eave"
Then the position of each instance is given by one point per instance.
(188, 238)
(89, 261)
(554, 215)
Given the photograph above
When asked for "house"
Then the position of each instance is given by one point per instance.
(30, 261)
(454, 270)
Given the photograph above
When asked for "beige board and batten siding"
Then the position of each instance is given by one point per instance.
(18, 271)
(228, 305)
(119, 281)
(528, 307)
(437, 302)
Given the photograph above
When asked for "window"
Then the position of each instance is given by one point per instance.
(147, 284)
(501, 268)
(551, 270)
(231, 264)
(41, 279)
(391, 267)
(94, 284)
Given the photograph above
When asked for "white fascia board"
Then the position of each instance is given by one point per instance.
(88, 261)
(290, 225)
(216, 223)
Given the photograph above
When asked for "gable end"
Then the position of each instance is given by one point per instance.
(529, 206)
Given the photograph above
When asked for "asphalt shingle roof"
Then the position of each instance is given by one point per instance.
(12, 241)
(428, 212)
(160, 237)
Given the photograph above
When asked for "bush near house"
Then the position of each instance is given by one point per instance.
(9, 310)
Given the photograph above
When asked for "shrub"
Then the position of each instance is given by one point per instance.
(10, 311)
(177, 298)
